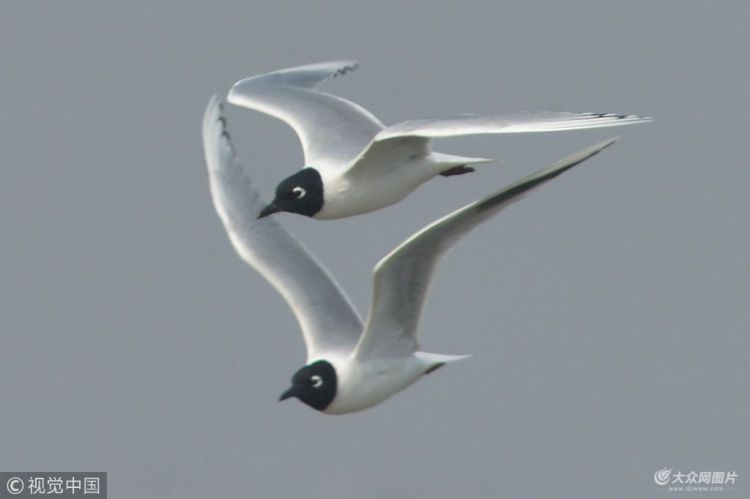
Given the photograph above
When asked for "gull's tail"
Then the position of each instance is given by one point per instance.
(434, 361)
(457, 165)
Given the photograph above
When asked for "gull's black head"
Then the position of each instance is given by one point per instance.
(314, 384)
(299, 193)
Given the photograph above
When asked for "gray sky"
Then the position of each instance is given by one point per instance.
(607, 313)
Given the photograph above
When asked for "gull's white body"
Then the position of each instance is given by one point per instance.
(365, 165)
(348, 195)
(364, 383)
(381, 357)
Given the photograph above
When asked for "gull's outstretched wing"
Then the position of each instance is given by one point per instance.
(333, 130)
(407, 138)
(468, 124)
(326, 316)
(402, 278)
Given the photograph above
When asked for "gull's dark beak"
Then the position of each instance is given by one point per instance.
(269, 210)
(291, 392)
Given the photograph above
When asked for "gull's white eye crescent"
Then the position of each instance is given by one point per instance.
(299, 192)
(317, 381)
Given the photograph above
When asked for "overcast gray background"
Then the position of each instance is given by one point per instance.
(607, 313)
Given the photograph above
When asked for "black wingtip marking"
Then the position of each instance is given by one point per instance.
(343, 70)
(613, 115)
(224, 131)
(346, 69)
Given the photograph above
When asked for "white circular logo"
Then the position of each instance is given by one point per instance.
(14, 485)
(661, 477)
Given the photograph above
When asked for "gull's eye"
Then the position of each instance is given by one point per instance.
(299, 192)
(317, 381)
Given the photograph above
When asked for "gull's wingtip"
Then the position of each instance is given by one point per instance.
(606, 143)
(637, 119)
(582, 155)
(331, 69)
(213, 106)
(616, 118)
(217, 145)
(212, 113)
(306, 76)
(235, 92)
(346, 66)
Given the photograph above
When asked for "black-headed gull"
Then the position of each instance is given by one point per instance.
(353, 163)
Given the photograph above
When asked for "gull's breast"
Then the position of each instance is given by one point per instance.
(364, 384)
(347, 195)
